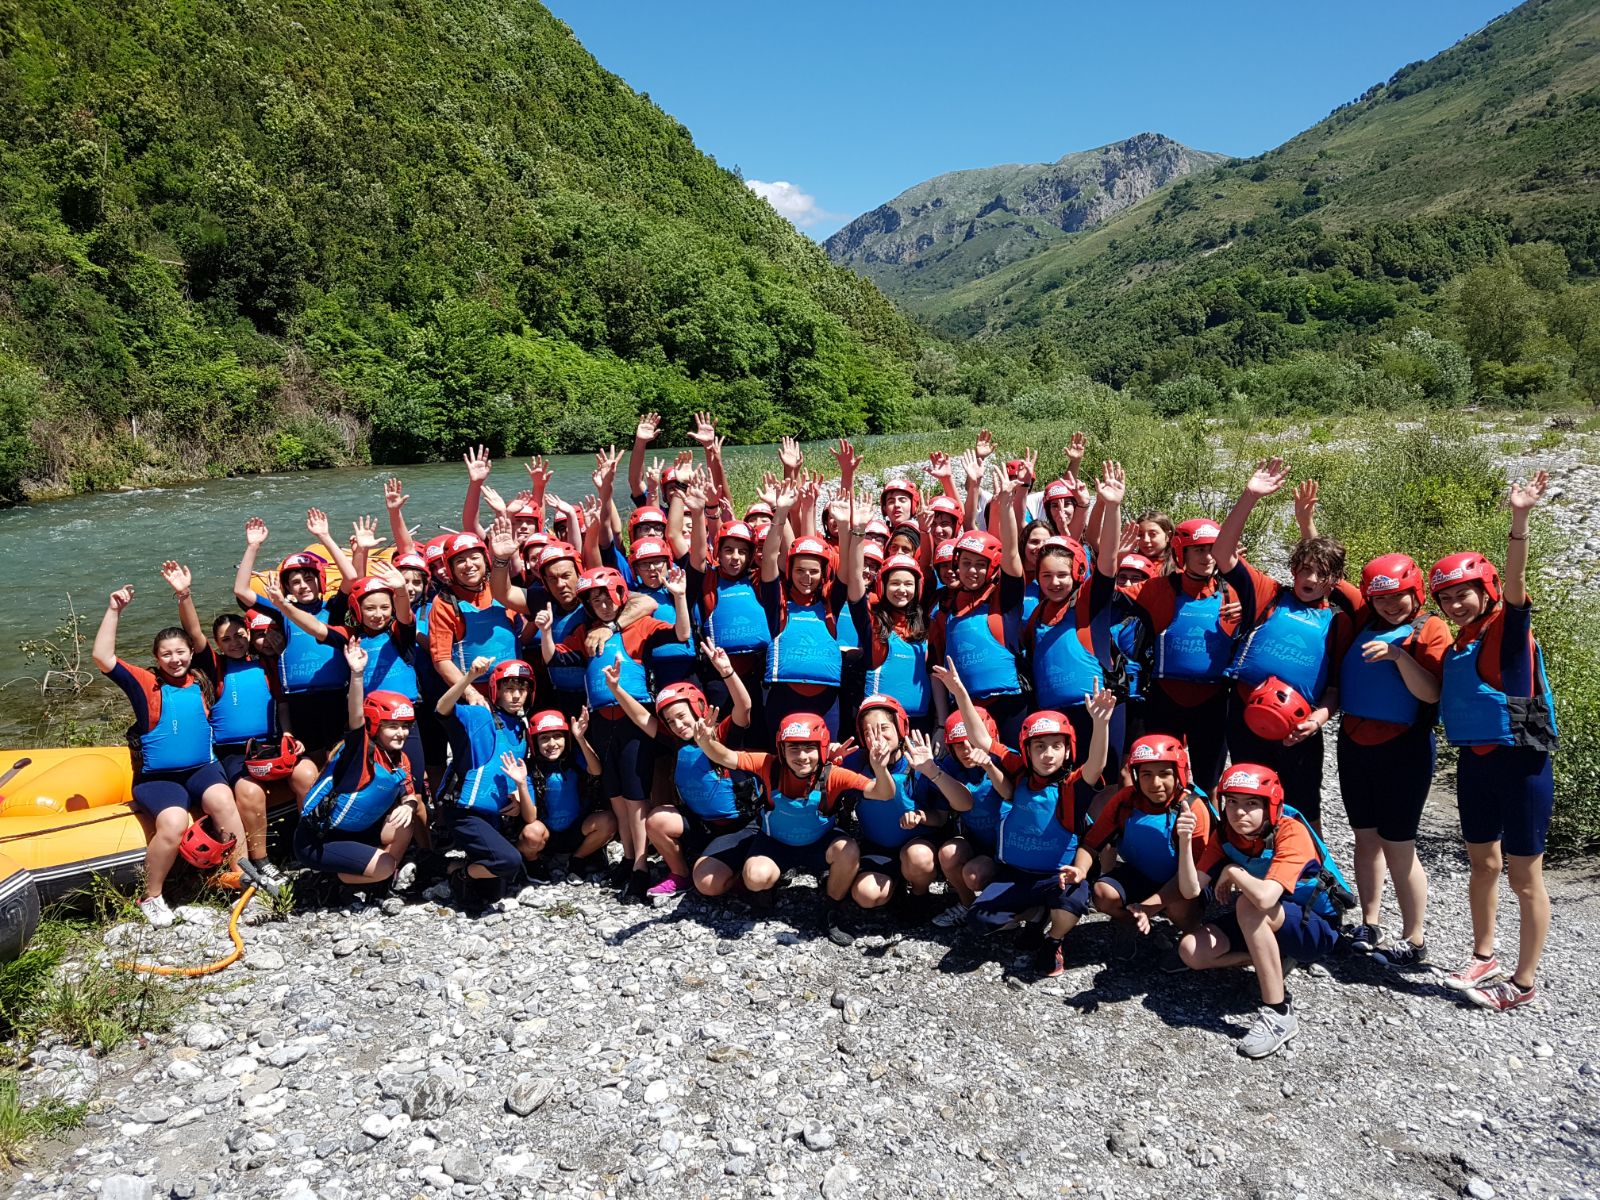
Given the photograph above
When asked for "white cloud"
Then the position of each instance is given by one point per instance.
(799, 207)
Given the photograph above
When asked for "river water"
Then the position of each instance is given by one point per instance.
(81, 548)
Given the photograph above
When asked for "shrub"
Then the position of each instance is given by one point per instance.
(1565, 625)
(1192, 393)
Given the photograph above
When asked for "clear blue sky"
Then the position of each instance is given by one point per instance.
(851, 103)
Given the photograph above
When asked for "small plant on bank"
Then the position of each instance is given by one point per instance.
(21, 1123)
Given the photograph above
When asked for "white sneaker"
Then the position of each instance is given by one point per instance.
(155, 912)
(405, 878)
(955, 915)
(1270, 1033)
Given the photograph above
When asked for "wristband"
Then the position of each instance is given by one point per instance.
(183, 595)
(1515, 537)
(501, 562)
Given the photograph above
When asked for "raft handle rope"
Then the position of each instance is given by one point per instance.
(222, 964)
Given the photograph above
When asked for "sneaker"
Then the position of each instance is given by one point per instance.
(1171, 963)
(155, 912)
(263, 875)
(1364, 938)
(635, 888)
(669, 889)
(1270, 1033)
(955, 915)
(1047, 959)
(1403, 955)
(1501, 995)
(833, 924)
(405, 877)
(440, 893)
(1031, 936)
(620, 873)
(1475, 974)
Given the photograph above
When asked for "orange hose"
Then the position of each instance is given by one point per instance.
(222, 964)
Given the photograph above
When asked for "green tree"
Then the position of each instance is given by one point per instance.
(1498, 314)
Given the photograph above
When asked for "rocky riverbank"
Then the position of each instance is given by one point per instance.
(566, 1046)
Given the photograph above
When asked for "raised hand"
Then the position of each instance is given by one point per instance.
(1183, 827)
(544, 618)
(316, 523)
(613, 671)
(683, 468)
(1075, 450)
(848, 459)
(177, 576)
(971, 470)
(1305, 501)
(355, 654)
(984, 446)
(704, 432)
(478, 464)
(388, 576)
(939, 465)
(652, 474)
(787, 496)
(605, 467)
(648, 429)
(980, 758)
(394, 494)
(883, 752)
(1113, 482)
(255, 531)
(949, 676)
(122, 597)
(789, 454)
(273, 586)
(919, 751)
(1523, 496)
(677, 581)
(1129, 542)
(366, 533)
(479, 666)
(502, 541)
(1270, 475)
(515, 767)
(539, 475)
(716, 656)
(580, 723)
(492, 499)
(1101, 704)
(694, 497)
(769, 489)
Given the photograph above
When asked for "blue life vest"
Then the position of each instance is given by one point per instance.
(880, 819)
(737, 622)
(244, 707)
(845, 633)
(181, 739)
(1377, 690)
(1064, 669)
(1125, 635)
(797, 821)
(559, 798)
(705, 789)
(903, 674)
(486, 633)
(1194, 648)
(387, 669)
(1476, 714)
(634, 681)
(981, 822)
(567, 678)
(1311, 890)
(364, 807)
(672, 662)
(486, 788)
(988, 664)
(1032, 596)
(429, 684)
(1031, 837)
(1146, 842)
(806, 651)
(307, 665)
(1292, 643)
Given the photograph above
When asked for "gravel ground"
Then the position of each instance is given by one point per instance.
(567, 1046)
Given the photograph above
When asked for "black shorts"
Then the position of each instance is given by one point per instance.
(627, 758)
(1385, 787)
(812, 859)
(230, 758)
(730, 847)
(482, 837)
(1132, 885)
(1506, 796)
(1304, 936)
(1014, 891)
(338, 851)
(885, 860)
(318, 718)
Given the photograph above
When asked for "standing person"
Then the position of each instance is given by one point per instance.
(467, 621)
(174, 768)
(804, 666)
(1389, 694)
(1496, 705)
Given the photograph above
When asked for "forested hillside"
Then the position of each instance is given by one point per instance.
(1432, 240)
(249, 236)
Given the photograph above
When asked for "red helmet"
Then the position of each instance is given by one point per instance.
(943, 504)
(512, 668)
(890, 705)
(265, 761)
(200, 847)
(255, 620)
(368, 585)
(1252, 779)
(1139, 563)
(1199, 531)
(871, 552)
(532, 546)
(1059, 489)
(1274, 709)
(899, 562)
(386, 706)
(1470, 567)
(1391, 574)
(811, 546)
(463, 543)
(955, 728)
(901, 485)
(433, 552)
(1048, 721)
(645, 548)
(985, 545)
(684, 693)
(521, 507)
(549, 720)
(649, 514)
(1073, 549)
(1161, 748)
(603, 579)
(555, 552)
(410, 561)
(876, 528)
(738, 531)
(759, 509)
(306, 561)
(944, 552)
(805, 728)
(1016, 468)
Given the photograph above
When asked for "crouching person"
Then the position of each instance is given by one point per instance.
(1264, 860)
(358, 817)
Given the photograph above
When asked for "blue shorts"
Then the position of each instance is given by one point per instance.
(812, 859)
(341, 851)
(1385, 787)
(1015, 891)
(1506, 796)
(730, 848)
(481, 836)
(156, 791)
(1305, 936)
(982, 843)
(230, 757)
(627, 757)
(1132, 885)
